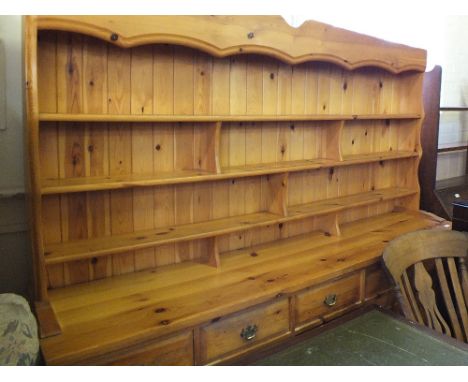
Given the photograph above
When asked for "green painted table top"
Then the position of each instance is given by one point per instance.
(374, 338)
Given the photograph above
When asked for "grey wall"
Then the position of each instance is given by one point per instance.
(14, 242)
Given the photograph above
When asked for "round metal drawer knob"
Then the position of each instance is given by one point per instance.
(249, 332)
(330, 300)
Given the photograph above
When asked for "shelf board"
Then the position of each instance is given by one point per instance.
(91, 313)
(377, 157)
(84, 184)
(55, 117)
(95, 247)
(342, 203)
(83, 249)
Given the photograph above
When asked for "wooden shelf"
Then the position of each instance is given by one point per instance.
(56, 117)
(342, 203)
(84, 184)
(85, 249)
(377, 157)
(91, 313)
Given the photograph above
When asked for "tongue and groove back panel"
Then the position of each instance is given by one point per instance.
(368, 115)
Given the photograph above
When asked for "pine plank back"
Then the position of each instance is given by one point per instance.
(429, 269)
(179, 146)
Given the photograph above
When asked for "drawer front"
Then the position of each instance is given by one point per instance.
(173, 351)
(377, 282)
(243, 330)
(324, 301)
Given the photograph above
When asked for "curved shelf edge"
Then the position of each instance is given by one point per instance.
(267, 35)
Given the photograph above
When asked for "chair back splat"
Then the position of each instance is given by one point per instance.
(430, 273)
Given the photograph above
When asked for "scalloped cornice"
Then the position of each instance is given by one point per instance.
(227, 35)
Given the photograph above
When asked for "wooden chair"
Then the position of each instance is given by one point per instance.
(429, 269)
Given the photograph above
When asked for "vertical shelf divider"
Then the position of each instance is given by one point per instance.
(211, 257)
(208, 157)
(214, 147)
(277, 189)
(331, 225)
(333, 141)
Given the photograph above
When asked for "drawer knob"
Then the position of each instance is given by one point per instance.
(249, 332)
(330, 300)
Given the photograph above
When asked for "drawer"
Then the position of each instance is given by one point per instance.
(243, 330)
(377, 282)
(176, 350)
(326, 301)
